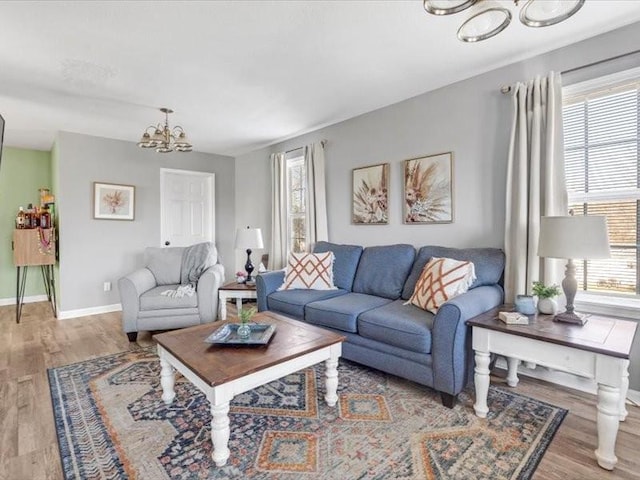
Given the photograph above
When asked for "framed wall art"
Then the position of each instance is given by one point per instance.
(428, 189)
(113, 202)
(370, 203)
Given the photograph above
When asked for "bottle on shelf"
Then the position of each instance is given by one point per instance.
(21, 219)
(45, 218)
(28, 219)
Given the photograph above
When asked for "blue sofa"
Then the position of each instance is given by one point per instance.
(368, 307)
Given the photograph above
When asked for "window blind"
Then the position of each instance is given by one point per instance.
(601, 131)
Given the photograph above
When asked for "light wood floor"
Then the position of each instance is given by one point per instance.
(28, 445)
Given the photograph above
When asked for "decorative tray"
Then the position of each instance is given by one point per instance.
(261, 333)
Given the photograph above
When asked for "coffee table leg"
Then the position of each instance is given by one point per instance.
(331, 381)
(220, 433)
(482, 383)
(167, 380)
(607, 421)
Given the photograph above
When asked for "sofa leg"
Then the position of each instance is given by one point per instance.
(448, 400)
(133, 336)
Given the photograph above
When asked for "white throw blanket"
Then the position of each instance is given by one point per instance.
(196, 259)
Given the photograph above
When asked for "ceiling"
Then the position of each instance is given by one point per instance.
(241, 75)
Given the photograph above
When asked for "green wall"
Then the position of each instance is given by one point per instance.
(22, 173)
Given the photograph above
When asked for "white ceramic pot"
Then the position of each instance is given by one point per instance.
(548, 306)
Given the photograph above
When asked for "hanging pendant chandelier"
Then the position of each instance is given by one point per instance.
(487, 18)
(165, 139)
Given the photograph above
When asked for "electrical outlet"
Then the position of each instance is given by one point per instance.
(107, 286)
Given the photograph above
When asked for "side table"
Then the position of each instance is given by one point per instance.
(598, 350)
(235, 290)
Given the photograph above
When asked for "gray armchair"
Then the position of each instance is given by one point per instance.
(143, 306)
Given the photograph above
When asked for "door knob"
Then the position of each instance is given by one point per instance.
(167, 243)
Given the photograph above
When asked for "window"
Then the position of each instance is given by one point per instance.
(296, 205)
(601, 129)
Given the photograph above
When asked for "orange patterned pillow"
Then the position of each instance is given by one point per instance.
(313, 271)
(441, 280)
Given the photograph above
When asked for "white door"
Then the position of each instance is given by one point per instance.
(186, 207)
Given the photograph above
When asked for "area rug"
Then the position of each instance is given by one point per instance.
(112, 423)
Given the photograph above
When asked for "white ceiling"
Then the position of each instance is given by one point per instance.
(242, 74)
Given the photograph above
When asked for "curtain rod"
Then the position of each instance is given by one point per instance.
(507, 88)
(323, 142)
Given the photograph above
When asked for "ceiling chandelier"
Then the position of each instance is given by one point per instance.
(488, 18)
(165, 139)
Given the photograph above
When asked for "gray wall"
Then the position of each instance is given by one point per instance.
(96, 251)
(470, 118)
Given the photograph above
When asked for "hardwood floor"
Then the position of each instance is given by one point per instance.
(28, 445)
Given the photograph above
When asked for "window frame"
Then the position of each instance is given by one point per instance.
(295, 161)
(589, 300)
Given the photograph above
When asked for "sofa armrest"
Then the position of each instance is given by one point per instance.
(131, 287)
(208, 284)
(266, 284)
(451, 345)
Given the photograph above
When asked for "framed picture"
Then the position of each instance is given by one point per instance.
(370, 203)
(428, 189)
(113, 202)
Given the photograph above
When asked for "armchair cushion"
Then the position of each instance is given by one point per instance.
(154, 300)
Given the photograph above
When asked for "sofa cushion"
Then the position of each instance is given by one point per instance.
(400, 325)
(341, 312)
(164, 263)
(292, 302)
(488, 263)
(382, 271)
(154, 300)
(345, 264)
(309, 270)
(442, 279)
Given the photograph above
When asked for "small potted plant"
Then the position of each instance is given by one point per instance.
(244, 330)
(546, 297)
(241, 276)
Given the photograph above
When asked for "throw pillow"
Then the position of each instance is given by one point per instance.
(311, 271)
(441, 280)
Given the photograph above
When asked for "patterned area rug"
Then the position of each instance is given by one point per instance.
(111, 423)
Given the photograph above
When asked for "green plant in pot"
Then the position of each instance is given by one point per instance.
(546, 297)
(244, 330)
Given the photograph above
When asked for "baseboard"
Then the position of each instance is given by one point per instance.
(84, 312)
(31, 299)
(564, 379)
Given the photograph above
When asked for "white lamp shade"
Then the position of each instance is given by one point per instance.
(249, 238)
(583, 237)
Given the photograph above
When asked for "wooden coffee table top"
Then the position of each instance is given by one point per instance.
(217, 364)
(601, 334)
(238, 286)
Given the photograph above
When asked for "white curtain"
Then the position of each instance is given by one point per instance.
(316, 223)
(278, 251)
(536, 183)
(316, 202)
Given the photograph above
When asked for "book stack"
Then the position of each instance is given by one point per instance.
(513, 318)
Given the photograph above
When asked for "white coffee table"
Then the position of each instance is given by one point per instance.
(222, 372)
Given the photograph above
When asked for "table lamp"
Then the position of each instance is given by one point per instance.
(584, 237)
(248, 238)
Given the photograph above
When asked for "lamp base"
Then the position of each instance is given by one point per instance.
(575, 318)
